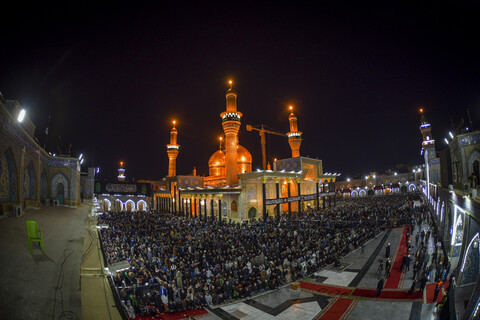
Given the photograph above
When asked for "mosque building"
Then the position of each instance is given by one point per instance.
(233, 191)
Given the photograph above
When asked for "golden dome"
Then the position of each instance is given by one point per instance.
(216, 163)
(217, 159)
(244, 155)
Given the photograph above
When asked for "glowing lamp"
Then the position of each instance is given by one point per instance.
(21, 115)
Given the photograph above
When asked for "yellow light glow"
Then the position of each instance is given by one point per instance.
(121, 163)
(174, 122)
(290, 107)
(275, 159)
(421, 110)
(220, 138)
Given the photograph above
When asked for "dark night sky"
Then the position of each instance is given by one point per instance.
(114, 77)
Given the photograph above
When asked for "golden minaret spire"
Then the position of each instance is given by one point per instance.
(294, 136)
(231, 124)
(172, 151)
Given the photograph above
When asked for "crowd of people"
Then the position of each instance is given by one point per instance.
(429, 262)
(180, 263)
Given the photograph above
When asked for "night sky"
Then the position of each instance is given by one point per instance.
(114, 77)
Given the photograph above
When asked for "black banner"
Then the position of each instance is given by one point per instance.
(303, 197)
(125, 188)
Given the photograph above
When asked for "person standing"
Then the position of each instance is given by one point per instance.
(380, 286)
(415, 268)
(387, 251)
(407, 262)
(380, 268)
(388, 267)
(412, 288)
(423, 283)
(437, 290)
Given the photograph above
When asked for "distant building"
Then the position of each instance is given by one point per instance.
(123, 195)
(233, 191)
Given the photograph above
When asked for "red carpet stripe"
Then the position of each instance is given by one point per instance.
(430, 289)
(386, 294)
(329, 290)
(362, 293)
(396, 272)
(337, 310)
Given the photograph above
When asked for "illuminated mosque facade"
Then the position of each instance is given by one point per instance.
(233, 191)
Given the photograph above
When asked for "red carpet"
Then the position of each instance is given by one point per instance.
(336, 310)
(396, 272)
(362, 293)
(198, 313)
(327, 289)
(430, 289)
(386, 294)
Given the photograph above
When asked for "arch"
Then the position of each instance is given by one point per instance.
(472, 159)
(457, 234)
(29, 183)
(59, 182)
(8, 177)
(403, 189)
(252, 213)
(362, 193)
(224, 208)
(412, 187)
(354, 194)
(234, 206)
(43, 185)
(141, 205)
(118, 205)
(470, 263)
(107, 205)
(129, 205)
(370, 192)
(476, 172)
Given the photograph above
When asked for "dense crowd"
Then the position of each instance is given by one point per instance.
(180, 263)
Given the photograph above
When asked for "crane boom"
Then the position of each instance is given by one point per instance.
(261, 132)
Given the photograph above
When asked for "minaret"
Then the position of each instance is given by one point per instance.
(294, 136)
(231, 125)
(426, 130)
(429, 154)
(121, 172)
(172, 151)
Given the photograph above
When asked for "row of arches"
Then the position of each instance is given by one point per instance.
(128, 206)
(11, 185)
(370, 192)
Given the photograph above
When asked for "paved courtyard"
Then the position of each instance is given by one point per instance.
(38, 287)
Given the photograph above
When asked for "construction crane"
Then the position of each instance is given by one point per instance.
(261, 131)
